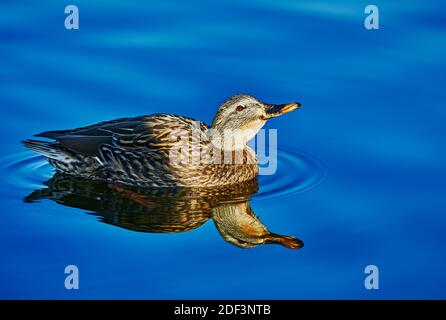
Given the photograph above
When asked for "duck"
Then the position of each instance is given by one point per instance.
(164, 150)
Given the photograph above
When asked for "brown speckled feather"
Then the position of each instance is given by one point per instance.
(136, 151)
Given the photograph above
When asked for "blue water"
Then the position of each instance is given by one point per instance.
(362, 165)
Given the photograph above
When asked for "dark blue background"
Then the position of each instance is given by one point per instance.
(373, 115)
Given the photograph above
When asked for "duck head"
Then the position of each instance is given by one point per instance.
(238, 225)
(242, 116)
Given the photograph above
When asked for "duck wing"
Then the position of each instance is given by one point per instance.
(145, 132)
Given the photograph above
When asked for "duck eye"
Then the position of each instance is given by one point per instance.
(240, 108)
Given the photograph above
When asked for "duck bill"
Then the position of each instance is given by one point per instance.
(275, 110)
(286, 241)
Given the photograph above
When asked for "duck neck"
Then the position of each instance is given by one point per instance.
(229, 139)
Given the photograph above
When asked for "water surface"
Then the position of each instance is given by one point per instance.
(361, 166)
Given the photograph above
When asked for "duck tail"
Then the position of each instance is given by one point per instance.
(47, 149)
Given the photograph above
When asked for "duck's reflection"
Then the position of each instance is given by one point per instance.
(166, 210)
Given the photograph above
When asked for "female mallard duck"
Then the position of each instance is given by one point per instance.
(164, 150)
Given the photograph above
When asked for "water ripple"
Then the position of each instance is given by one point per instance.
(25, 170)
(298, 172)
